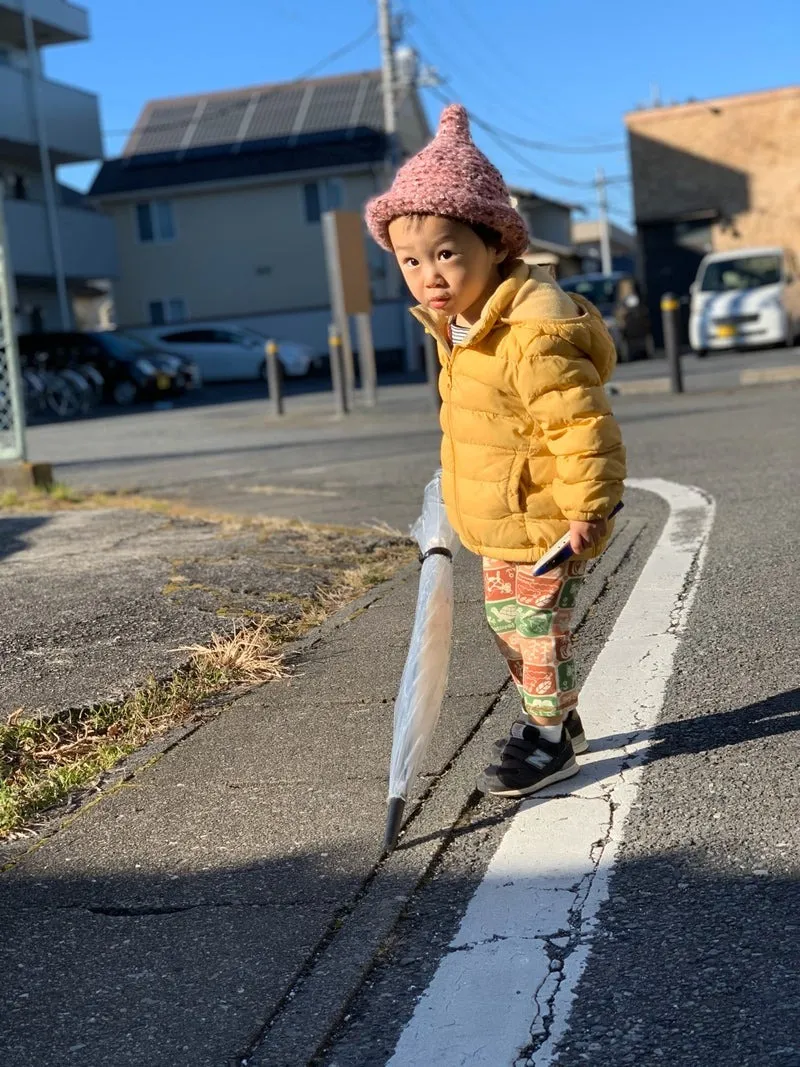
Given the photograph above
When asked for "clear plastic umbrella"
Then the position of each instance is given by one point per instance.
(424, 679)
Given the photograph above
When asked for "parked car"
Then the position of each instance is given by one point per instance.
(746, 298)
(619, 300)
(228, 353)
(129, 373)
(185, 373)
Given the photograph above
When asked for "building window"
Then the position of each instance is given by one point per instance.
(324, 195)
(162, 312)
(154, 221)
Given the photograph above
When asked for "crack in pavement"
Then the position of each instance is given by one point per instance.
(561, 946)
(137, 911)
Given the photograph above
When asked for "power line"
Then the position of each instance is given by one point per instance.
(225, 109)
(540, 146)
(546, 146)
(500, 138)
(343, 51)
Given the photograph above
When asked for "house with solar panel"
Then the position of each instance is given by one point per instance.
(217, 200)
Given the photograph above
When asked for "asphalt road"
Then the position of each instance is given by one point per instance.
(694, 959)
(717, 371)
(694, 962)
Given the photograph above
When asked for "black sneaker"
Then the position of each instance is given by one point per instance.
(529, 763)
(574, 729)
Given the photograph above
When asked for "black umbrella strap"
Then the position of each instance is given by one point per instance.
(436, 551)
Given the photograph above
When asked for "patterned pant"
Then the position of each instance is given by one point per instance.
(532, 622)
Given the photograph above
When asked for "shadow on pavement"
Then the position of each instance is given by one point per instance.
(773, 717)
(186, 964)
(266, 446)
(13, 530)
(166, 968)
(188, 969)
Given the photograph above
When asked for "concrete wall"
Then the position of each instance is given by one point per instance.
(739, 156)
(550, 222)
(242, 250)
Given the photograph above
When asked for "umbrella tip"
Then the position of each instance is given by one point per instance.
(394, 821)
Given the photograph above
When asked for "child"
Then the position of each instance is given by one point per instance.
(530, 448)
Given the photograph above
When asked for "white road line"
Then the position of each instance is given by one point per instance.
(502, 994)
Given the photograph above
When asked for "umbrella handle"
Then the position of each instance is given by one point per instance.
(394, 820)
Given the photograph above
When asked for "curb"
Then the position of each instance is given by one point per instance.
(313, 1007)
(646, 386)
(751, 376)
(770, 374)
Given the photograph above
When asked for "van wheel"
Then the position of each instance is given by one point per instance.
(701, 353)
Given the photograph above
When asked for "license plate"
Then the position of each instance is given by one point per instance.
(163, 381)
(726, 331)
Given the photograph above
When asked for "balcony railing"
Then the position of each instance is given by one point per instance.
(54, 21)
(71, 117)
(87, 241)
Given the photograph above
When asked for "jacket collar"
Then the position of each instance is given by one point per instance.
(497, 303)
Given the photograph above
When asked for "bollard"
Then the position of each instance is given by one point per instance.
(366, 361)
(432, 368)
(337, 370)
(670, 317)
(274, 382)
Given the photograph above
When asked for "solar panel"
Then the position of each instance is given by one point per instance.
(371, 113)
(220, 121)
(163, 129)
(256, 114)
(331, 106)
(275, 113)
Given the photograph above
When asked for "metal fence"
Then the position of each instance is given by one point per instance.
(12, 411)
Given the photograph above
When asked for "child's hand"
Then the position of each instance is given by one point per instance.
(583, 535)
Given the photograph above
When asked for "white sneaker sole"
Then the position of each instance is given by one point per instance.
(567, 771)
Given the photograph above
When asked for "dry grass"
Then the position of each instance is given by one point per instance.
(42, 763)
(54, 498)
(250, 654)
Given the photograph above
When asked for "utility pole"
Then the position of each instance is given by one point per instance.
(394, 283)
(389, 79)
(34, 75)
(602, 214)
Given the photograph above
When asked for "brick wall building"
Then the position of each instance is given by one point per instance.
(713, 175)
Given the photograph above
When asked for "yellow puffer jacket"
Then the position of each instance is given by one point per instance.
(529, 439)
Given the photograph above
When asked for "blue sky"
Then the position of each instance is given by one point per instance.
(546, 70)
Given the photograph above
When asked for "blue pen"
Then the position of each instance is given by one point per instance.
(561, 551)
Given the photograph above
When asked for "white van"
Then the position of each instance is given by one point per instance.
(746, 298)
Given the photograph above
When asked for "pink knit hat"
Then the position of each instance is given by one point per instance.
(453, 178)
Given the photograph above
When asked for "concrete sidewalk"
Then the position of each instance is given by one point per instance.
(97, 601)
(221, 905)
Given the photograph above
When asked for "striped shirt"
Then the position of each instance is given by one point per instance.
(458, 334)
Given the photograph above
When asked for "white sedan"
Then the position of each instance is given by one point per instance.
(228, 353)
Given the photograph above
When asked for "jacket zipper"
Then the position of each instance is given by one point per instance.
(456, 501)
